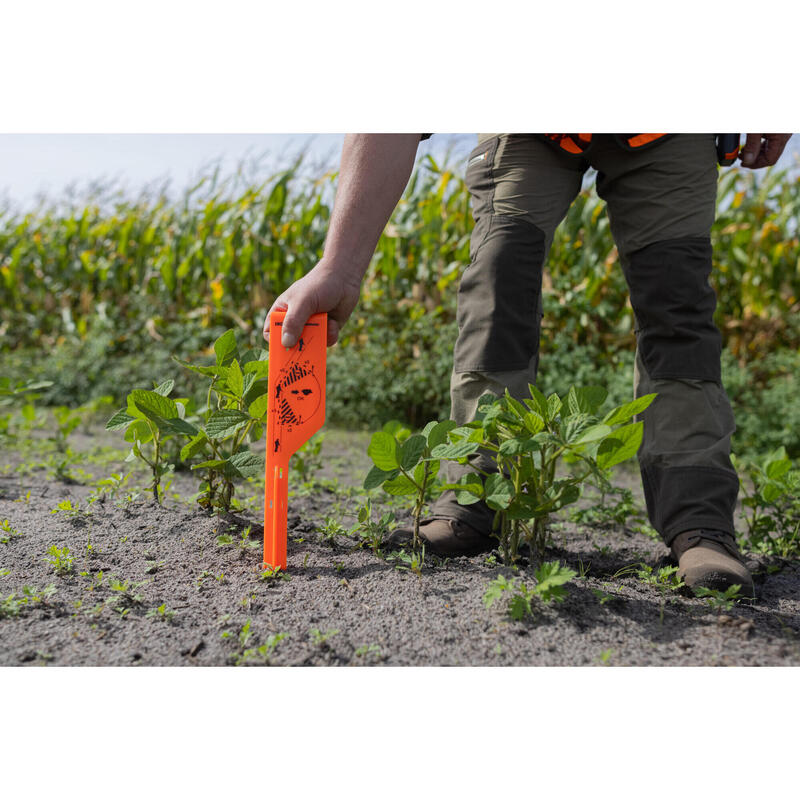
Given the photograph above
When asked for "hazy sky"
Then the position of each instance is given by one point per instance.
(47, 163)
(33, 164)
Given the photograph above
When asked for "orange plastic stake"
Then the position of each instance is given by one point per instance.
(296, 411)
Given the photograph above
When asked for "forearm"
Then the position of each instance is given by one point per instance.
(374, 171)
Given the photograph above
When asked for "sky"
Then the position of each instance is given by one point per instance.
(47, 164)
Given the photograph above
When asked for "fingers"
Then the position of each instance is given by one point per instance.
(279, 305)
(757, 153)
(299, 310)
(333, 331)
(775, 144)
(751, 149)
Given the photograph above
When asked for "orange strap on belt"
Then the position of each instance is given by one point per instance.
(296, 411)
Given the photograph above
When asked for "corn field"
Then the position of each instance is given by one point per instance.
(221, 253)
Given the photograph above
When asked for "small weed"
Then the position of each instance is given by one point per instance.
(604, 659)
(318, 639)
(153, 566)
(7, 533)
(550, 579)
(366, 650)
(11, 605)
(245, 633)
(602, 597)
(329, 530)
(369, 531)
(260, 655)
(719, 600)
(161, 612)
(25, 499)
(273, 575)
(245, 542)
(411, 561)
(666, 580)
(60, 559)
(67, 508)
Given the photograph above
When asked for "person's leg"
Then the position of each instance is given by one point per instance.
(521, 189)
(661, 205)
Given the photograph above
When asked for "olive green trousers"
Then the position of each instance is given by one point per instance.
(660, 203)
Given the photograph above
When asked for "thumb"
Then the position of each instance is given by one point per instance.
(751, 149)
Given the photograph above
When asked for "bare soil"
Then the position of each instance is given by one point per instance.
(153, 585)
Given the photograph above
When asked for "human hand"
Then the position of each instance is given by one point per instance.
(322, 289)
(757, 153)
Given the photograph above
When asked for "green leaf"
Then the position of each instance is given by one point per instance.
(214, 463)
(553, 406)
(519, 606)
(513, 405)
(247, 464)
(526, 506)
(514, 447)
(777, 469)
(225, 348)
(153, 405)
(592, 434)
(586, 399)
(225, 423)
(259, 369)
(432, 467)
(179, 426)
(621, 445)
(400, 485)
(428, 428)
(625, 412)
(538, 402)
(195, 446)
(772, 491)
(455, 451)
(384, 451)
(411, 451)
(164, 388)
(550, 578)
(534, 422)
(235, 379)
(259, 406)
(438, 433)
(468, 489)
(393, 427)
(494, 591)
(485, 402)
(120, 420)
(140, 432)
(207, 371)
(499, 491)
(376, 476)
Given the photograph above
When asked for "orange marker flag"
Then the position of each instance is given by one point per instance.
(296, 411)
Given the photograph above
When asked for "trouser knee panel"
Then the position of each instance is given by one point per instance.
(674, 307)
(499, 298)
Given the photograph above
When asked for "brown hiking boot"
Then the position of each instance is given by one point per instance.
(444, 537)
(711, 558)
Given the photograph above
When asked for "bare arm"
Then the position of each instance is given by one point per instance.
(374, 171)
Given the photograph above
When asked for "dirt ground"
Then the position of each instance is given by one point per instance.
(152, 585)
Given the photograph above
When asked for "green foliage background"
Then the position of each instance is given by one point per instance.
(95, 295)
